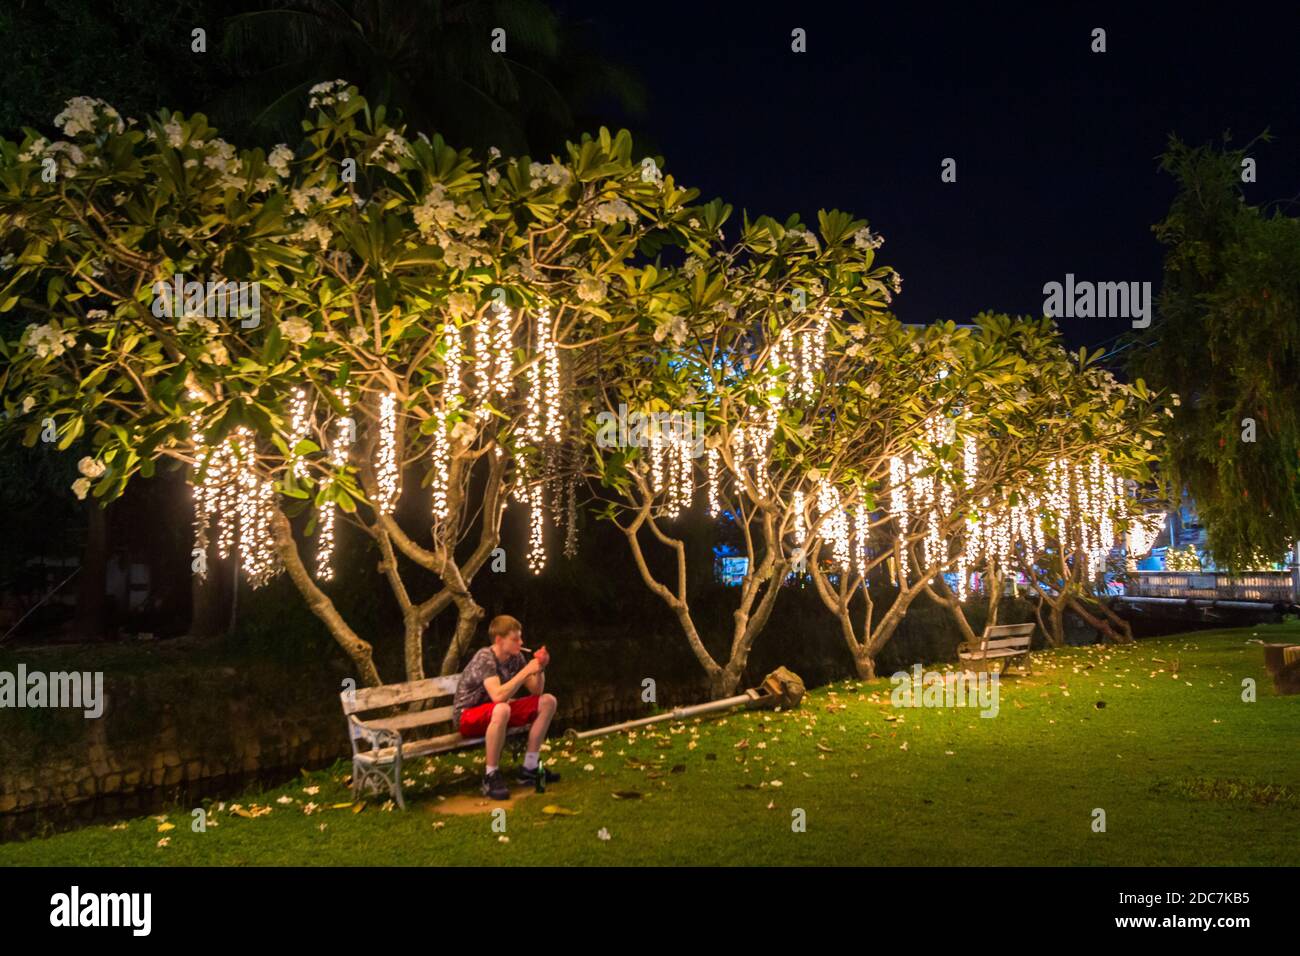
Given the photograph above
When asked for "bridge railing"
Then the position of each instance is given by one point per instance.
(1247, 586)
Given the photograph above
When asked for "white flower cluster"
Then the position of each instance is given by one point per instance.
(555, 174)
(672, 325)
(221, 157)
(69, 155)
(809, 239)
(313, 230)
(296, 330)
(175, 133)
(437, 217)
(896, 282)
(864, 238)
(389, 150)
(48, 340)
(328, 93)
(301, 199)
(85, 114)
(611, 212)
(279, 159)
(90, 469)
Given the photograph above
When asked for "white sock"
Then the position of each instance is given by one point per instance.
(488, 770)
(531, 760)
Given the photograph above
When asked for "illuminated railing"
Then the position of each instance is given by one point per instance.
(1248, 586)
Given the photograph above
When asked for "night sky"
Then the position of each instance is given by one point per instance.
(1056, 146)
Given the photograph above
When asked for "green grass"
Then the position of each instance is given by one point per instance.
(1186, 772)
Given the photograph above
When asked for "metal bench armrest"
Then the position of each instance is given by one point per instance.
(377, 738)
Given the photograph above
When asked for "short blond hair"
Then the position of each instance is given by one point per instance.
(502, 625)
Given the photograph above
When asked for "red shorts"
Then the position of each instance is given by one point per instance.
(474, 720)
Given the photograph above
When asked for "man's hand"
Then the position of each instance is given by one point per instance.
(532, 667)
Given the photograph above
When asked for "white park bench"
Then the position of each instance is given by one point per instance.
(381, 743)
(1002, 642)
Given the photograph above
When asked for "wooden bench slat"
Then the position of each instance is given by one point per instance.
(373, 698)
(1008, 642)
(421, 718)
(427, 747)
(1009, 630)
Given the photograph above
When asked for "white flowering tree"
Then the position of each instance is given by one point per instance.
(768, 384)
(1067, 452)
(363, 330)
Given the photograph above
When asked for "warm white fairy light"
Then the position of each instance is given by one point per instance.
(241, 500)
(1143, 531)
(484, 364)
(299, 425)
(536, 528)
(503, 347)
(386, 466)
(804, 355)
(900, 508)
(800, 529)
(860, 541)
(452, 359)
(711, 459)
(257, 556)
(550, 375)
(344, 434)
(441, 467)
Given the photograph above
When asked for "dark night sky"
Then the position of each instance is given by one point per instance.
(1056, 146)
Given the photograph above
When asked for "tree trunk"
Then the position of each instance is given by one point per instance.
(90, 621)
(361, 653)
(468, 616)
(1099, 623)
(1056, 623)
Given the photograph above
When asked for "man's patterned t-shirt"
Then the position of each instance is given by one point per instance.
(470, 692)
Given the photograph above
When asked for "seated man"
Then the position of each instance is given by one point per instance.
(483, 705)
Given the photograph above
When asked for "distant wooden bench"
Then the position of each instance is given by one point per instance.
(1283, 663)
(381, 742)
(1004, 642)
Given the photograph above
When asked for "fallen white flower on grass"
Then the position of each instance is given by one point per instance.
(458, 769)
(284, 799)
(311, 791)
(165, 841)
(588, 767)
(503, 839)
(777, 783)
(602, 833)
(322, 827)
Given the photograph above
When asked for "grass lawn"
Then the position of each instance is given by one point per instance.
(1186, 772)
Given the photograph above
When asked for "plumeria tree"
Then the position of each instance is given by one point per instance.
(758, 403)
(1072, 449)
(364, 330)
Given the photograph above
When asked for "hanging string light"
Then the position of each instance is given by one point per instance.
(551, 375)
(804, 354)
(345, 432)
(711, 459)
(441, 467)
(452, 359)
(900, 508)
(299, 425)
(536, 528)
(860, 541)
(502, 345)
(800, 530)
(386, 467)
(257, 555)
